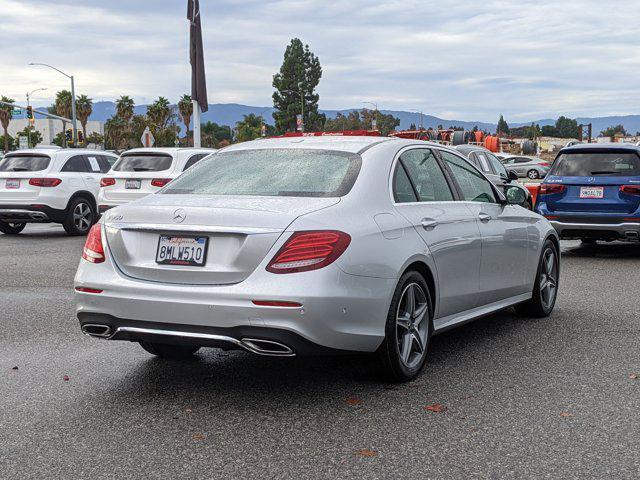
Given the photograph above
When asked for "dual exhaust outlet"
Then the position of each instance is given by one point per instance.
(253, 345)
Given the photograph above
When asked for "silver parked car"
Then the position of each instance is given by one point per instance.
(311, 245)
(527, 167)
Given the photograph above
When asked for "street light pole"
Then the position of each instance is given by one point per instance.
(74, 120)
(28, 105)
(374, 120)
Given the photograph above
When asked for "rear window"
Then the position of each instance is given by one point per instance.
(24, 163)
(272, 172)
(143, 163)
(593, 164)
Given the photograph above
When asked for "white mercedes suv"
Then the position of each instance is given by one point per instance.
(46, 185)
(142, 171)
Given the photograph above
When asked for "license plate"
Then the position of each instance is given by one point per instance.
(187, 251)
(132, 184)
(591, 192)
(12, 183)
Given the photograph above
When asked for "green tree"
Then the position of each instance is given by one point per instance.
(84, 108)
(8, 142)
(94, 138)
(249, 128)
(185, 108)
(295, 86)
(213, 134)
(62, 104)
(503, 126)
(162, 122)
(613, 131)
(5, 119)
(567, 128)
(34, 136)
(115, 132)
(125, 108)
(385, 123)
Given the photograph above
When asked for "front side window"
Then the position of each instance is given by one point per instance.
(75, 164)
(24, 163)
(426, 175)
(497, 165)
(271, 172)
(474, 187)
(143, 162)
(593, 164)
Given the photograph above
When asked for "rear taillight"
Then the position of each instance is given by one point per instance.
(107, 182)
(309, 250)
(88, 290)
(45, 182)
(630, 189)
(160, 182)
(93, 251)
(550, 189)
(544, 164)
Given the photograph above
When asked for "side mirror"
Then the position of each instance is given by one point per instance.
(515, 195)
(512, 175)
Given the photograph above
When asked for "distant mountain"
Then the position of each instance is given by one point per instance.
(230, 113)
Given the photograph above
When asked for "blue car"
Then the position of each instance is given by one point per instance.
(592, 192)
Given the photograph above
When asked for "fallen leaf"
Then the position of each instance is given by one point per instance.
(632, 376)
(198, 437)
(436, 408)
(353, 401)
(367, 453)
(14, 368)
(65, 378)
(566, 414)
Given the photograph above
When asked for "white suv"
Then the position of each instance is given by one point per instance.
(142, 171)
(46, 185)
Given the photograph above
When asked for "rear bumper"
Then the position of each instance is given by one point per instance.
(604, 231)
(31, 214)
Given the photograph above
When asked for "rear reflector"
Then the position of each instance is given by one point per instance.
(276, 303)
(630, 189)
(45, 182)
(551, 217)
(160, 182)
(551, 188)
(93, 251)
(88, 290)
(107, 182)
(309, 250)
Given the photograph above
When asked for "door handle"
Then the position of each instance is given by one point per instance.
(484, 217)
(428, 223)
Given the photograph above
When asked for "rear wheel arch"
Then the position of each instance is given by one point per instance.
(83, 194)
(424, 270)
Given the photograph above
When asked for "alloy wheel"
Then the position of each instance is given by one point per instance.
(412, 325)
(548, 278)
(533, 174)
(82, 216)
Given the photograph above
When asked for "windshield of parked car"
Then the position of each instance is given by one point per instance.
(271, 172)
(591, 164)
(143, 162)
(24, 163)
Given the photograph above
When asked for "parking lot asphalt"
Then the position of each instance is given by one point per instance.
(508, 397)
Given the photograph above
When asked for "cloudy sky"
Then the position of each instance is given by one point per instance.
(454, 59)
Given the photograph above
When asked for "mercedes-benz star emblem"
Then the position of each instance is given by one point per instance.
(179, 215)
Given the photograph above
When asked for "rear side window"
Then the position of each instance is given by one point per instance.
(193, 160)
(498, 167)
(593, 164)
(24, 163)
(141, 162)
(75, 164)
(271, 172)
(103, 161)
(427, 177)
(484, 163)
(402, 188)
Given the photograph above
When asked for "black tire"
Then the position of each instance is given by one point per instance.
(81, 215)
(541, 304)
(533, 174)
(12, 228)
(418, 334)
(171, 352)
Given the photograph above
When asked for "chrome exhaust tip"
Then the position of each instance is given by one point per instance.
(96, 330)
(267, 347)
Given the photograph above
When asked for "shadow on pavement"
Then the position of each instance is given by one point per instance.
(604, 250)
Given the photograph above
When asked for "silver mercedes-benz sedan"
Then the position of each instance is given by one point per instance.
(307, 245)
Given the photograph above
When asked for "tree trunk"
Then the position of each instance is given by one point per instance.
(6, 140)
(187, 121)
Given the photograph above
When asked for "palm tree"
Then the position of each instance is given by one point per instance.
(63, 103)
(185, 107)
(124, 108)
(159, 113)
(84, 108)
(115, 131)
(5, 118)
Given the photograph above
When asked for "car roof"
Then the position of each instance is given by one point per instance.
(51, 152)
(168, 150)
(344, 143)
(467, 149)
(602, 146)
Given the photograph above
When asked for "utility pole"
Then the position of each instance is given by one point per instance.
(374, 120)
(31, 120)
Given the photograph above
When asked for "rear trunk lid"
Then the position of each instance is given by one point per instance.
(240, 230)
(15, 172)
(582, 195)
(134, 172)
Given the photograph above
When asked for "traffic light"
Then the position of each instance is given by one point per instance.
(80, 137)
(30, 112)
(68, 135)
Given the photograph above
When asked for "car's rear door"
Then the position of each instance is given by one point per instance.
(503, 229)
(423, 195)
(94, 174)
